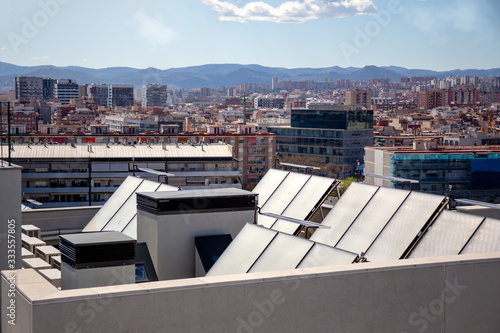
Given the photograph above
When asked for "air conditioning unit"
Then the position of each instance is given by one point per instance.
(31, 231)
(96, 259)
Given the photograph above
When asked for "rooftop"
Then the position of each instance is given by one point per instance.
(143, 150)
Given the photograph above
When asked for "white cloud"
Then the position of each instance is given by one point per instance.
(3, 48)
(152, 30)
(297, 11)
(40, 58)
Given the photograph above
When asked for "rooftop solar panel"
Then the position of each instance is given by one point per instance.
(410, 219)
(268, 184)
(243, 251)
(372, 219)
(284, 252)
(305, 203)
(113, 204)
(282, 197)
(447, 235)
(485, 239)
(322, 255)
(129, 208)
(345, 211)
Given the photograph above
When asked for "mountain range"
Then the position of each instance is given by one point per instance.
(214, 75)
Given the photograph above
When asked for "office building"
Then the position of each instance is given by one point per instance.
(334, 133)
(120, 95)
(66, 90)
(99, 93)
(29, 87)
(154, 95)
(470, 172)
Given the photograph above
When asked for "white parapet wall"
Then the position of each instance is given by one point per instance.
(444, 294)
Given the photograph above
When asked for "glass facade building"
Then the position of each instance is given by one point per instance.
(335, 133)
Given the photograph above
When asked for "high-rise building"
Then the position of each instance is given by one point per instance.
(334, 133)
(154, 95)
(66, 90)
(48, 89)
(275, 83)
(359, 97)
(29, 87)
(120, 95)
(430, 99)
(99, 93)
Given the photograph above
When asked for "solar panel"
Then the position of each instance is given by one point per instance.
(305, 203)
(282, 197)
(322, 255)
(343, 213)
(485, 239)
(129, 208)
(284, 252)
(404, 227)
(372, 219)
(447, 235)
(111, 206)
(268, 184)
(131, 228)
(243, 251)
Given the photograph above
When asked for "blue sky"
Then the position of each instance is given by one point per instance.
(432, 34)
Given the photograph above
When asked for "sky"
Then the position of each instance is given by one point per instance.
(416, 34)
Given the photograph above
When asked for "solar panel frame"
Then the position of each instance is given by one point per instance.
(281, 198)
(297, 208)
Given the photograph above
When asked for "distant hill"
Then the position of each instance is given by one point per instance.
(213, 75)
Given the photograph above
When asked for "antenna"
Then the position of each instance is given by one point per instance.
(244, 108)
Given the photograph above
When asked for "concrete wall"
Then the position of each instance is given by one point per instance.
(170, 238)
(60, 218)
(446, 294)
(10, 216)
(10, 219)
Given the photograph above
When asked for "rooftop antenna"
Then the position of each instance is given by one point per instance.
(244, 108)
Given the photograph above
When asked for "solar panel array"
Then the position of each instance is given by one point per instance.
(258, 249)
(293, 195)
(119, 213)
(383, 223)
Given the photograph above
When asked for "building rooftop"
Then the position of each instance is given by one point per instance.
(143, 150)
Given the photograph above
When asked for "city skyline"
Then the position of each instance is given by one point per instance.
(436, 35)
